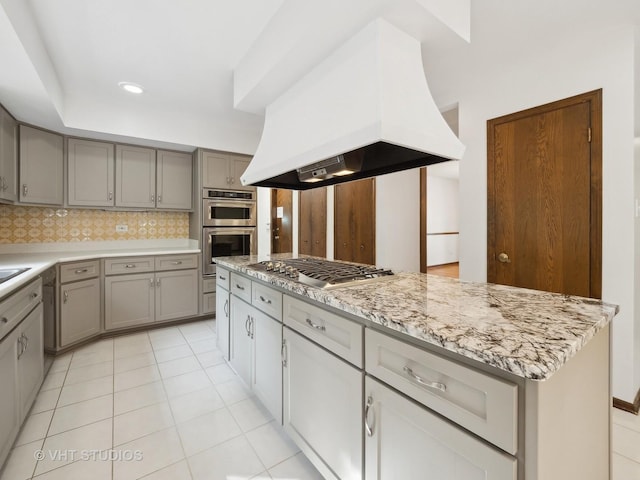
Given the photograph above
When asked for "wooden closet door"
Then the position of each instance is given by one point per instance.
(313, 222)
(355, 225)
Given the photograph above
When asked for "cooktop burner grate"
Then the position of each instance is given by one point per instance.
(323, 273)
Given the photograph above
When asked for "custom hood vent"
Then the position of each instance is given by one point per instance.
(366, 110)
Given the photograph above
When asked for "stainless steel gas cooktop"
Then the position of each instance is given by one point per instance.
(321, 273)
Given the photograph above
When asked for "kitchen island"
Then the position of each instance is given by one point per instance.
(502, 382)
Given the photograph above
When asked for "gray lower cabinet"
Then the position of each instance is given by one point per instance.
(240, 344)
(223, 310)
(404, 440)
(129, 300)
(10, 420)
(79, 311)
(323, 408)
(153, 296)
(30, 358)
(41, 166)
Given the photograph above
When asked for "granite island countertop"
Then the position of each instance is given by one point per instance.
(529, 333)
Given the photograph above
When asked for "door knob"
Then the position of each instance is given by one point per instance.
(504, 258)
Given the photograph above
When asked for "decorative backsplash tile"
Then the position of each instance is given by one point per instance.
(19, 224)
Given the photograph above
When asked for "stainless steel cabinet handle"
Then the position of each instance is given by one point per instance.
(437, 385)
(322, 328)
(367, 427)
(153, 198)
(283, 352)
(226, 308)
(239, 287)
(25, 342)
(228, 182)
(65, 296)
(265, 300)
(82, 270)
(157, 282)
(130, 265)
(20, 347)
(25, 190)
(246, 325)
(159, 198)
(223, 278)
(110, 195)
(179, 262)
(252, 327)
(34, 295)
(151, 283)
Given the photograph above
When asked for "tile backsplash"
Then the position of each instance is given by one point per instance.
(20, 224)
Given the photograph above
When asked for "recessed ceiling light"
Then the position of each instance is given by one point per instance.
(131, 87)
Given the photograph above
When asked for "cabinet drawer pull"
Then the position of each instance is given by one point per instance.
(65, 296)
(265, 300)
(223, 278)
(239, 287)
(4, 320)
(322, 328)
(34, 295)
(368, 428)
(82, 270)
(25, 342)
(283, 353)
(25, 190)
(437, 385)
(20, 347)
(226, 308)
(110, 195)
(130, 265)
(151, 283)
(246, 325)
(178, 262)
(159, 198)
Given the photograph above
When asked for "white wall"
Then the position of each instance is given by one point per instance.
(442, 216)
(486, 90)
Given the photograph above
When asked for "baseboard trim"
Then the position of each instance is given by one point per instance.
(626, 406)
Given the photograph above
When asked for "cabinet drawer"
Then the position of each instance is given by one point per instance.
(14, 308)
(209, 303)
(116, 266)
(223, 277)
(208, 284)
(267, 299)
(486, 405)
(176, 262)
(241, 287)
(71, 272)
(338, 334)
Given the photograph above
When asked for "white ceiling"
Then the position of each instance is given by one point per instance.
(61, 60)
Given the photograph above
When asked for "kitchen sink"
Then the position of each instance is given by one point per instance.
(9, 273)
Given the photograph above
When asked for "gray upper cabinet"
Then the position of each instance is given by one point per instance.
(8, 157)
(41, 166)
(174, 180)
(223, 170)
(135, 177)
(90, 173)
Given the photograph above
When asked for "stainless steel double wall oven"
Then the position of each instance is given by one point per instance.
(229, 221)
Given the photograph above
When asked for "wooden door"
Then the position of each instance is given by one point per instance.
(281, 214)
(355, 225)
(313, 222)
(545, 197)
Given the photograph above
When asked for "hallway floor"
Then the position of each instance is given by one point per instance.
(163, 405)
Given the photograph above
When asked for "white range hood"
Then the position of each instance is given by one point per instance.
(365, 109)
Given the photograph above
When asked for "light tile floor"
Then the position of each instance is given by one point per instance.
(155, 405)
(163, 405)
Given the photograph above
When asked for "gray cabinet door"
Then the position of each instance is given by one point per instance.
(240, 342)
(31, 358)
(237, 166)
(79, 311)
(90, 173)
(222, 320)
(41, 166)
(8, 157)
(129, 300)
(174, 180)
(323, 408)
(9, 397)
(135, 177)
(428, 443)
(267, 364)
(176, 294)
(215, 170)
